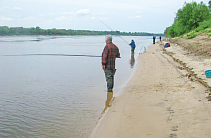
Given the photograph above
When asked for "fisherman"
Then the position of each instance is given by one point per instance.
(109, 55)
(154, 37)
(133, 46)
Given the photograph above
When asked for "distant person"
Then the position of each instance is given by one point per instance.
(133, 46)
(160, 38)
(154, 37)
(109, 55)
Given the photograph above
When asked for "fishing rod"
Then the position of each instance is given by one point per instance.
(68, 54)
(54, 55)
(110, 28)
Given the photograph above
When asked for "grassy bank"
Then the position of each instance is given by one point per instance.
(197, 42)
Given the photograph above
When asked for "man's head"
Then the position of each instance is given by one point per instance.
(108, 37)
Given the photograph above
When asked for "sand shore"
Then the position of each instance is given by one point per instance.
(161, 100)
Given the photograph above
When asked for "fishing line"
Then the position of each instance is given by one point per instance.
(54, 55)
(110, 29)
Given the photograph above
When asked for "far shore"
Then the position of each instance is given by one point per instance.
(78, 35)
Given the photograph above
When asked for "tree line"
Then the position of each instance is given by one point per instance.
(191, 16)
(7, 31)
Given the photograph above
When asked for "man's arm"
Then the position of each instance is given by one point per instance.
(104, 57)
(118, 54)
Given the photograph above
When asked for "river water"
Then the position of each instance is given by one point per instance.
(53, 86)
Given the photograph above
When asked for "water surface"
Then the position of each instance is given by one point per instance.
(45, 92)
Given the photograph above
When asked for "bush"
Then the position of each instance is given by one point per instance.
(191, 16)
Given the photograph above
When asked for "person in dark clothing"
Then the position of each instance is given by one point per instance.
(109, 55)
(133, 46)
(160, 38)
(154, 37)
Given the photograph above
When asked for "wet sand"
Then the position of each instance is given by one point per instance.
(160, 101)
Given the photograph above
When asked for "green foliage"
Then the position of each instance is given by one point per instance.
(204, 25)
(188, 18)
(4, 30)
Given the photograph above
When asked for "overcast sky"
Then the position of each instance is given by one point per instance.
(123, 15)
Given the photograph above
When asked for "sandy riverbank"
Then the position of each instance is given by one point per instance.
(160, 101)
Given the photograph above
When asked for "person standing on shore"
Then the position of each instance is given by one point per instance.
(133, 46)
(160, 38)
(154, 37)
(109, 55)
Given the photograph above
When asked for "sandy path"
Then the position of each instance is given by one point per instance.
(158, 102)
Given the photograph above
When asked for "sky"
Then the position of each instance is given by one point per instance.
(151, 16)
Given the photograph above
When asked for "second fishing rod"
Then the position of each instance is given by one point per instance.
(111, 29)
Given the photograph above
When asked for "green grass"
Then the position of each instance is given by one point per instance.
(191, 35)
(202, 28)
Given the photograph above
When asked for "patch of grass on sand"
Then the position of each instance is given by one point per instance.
(191, 35)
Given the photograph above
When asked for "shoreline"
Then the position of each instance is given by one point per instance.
(159, 100)
(115, 95)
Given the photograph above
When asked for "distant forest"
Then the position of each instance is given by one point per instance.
(8, 31)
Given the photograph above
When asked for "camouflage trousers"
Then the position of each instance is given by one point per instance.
(109, 74)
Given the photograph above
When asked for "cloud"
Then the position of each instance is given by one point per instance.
(6, 19)
(10, 9)
(4, 8)
(17, 8)
(50, 21)
(134, 17)
(83, 12)
(67, 13)
(138, 16)
(100, 13)
(139, 12)
(52, 14)
(60, 18)
(30, 18)
(41, 15)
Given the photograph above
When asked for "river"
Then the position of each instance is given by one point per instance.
(53, 86)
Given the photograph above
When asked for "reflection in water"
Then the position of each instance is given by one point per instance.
(132, 60)
(108, 102)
